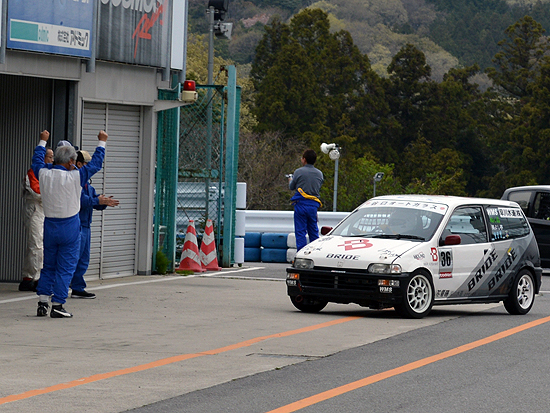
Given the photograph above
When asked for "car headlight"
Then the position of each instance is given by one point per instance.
(303, 263)
(384, 269)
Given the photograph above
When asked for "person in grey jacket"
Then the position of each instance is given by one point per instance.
(306, 181)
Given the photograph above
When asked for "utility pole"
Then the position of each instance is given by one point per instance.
(210, 80)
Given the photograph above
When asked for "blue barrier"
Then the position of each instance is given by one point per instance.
(274, 240)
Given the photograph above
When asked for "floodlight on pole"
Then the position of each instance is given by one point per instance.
(333, 151)
(377, 178)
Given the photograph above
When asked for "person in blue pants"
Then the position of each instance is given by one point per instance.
(306, 181)
(89, 200)
(61, 187)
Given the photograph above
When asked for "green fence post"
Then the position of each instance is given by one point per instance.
(231, 163)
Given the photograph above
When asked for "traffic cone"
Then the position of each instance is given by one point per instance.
(190, 259)
(209, 259)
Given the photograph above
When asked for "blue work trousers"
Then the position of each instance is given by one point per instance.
(78, 283)
(305, 222)
(61, 252)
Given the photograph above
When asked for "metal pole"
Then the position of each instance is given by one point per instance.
(3, 30)
(335, 185)
(374, 191)
(90, 64)
(210, 12)
(182, 73)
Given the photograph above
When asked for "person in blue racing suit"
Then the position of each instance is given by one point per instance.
(61, 187)
(306, 181)
(89, 200)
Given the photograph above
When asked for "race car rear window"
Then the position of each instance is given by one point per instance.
(506, 223)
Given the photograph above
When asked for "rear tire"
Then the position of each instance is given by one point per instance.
(418, 297)
(522, 295)
(308, 305)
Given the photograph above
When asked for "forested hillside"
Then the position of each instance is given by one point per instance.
(430, 132)
(449, 32)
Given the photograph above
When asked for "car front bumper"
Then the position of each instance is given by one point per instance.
(346, 286)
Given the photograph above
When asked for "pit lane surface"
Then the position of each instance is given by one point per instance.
(232, 342)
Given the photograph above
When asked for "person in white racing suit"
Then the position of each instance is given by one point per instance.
(61, 187)
(33, 221)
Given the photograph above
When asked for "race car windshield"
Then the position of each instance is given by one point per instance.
(390, 222)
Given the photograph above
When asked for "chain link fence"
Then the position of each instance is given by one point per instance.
(200, 164)
(191, 139)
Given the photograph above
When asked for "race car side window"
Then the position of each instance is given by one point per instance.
(469, 223)
(507, 223)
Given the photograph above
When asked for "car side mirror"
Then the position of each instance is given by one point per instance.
(325, 230)
(452, 240)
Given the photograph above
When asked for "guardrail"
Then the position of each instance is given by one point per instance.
(283, 221)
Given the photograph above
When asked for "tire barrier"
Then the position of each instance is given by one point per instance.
(273, 255)
(252, 254)
(274, 240)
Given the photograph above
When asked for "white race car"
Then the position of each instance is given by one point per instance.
(411, 252)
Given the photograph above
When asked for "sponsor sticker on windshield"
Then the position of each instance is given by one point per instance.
(426, 206)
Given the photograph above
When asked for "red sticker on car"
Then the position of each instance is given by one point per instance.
(356, 244)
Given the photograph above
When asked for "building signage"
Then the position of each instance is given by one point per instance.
(179, 34)
(135, 31)
(55, 26)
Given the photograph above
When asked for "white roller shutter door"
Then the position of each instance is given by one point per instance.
(113, 246)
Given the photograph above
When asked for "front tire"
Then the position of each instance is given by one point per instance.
(418, 297)
(308, 305)
(522, 295)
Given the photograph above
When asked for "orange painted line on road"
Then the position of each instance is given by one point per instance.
(166, 361)
(279, 335)
(309, 401)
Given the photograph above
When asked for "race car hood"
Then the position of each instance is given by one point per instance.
(352, 252)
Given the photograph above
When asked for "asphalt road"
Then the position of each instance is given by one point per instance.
(232, 342)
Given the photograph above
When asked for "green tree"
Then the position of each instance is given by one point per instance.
(529, 149)
(518, 62)
(355, 174)
(456, 118)
(434, 172)
(308, 80)
(407, 92)
(521, 74)
(264, 160)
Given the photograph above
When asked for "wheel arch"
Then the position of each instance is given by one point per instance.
(529, 266)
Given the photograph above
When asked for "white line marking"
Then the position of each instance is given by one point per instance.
(33, 296)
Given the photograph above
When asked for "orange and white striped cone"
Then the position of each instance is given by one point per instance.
(190, 259)
(208, 254)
